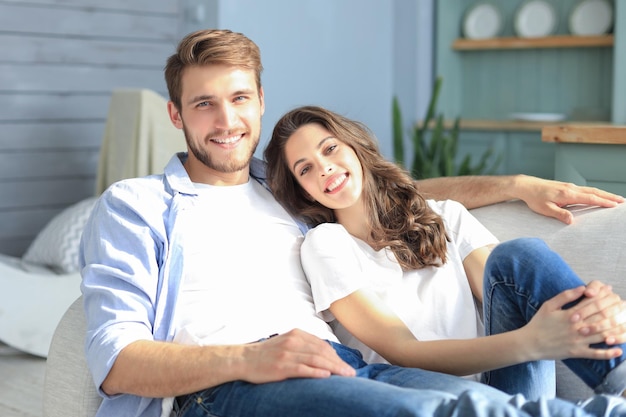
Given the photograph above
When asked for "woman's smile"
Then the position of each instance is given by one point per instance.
(336, 183)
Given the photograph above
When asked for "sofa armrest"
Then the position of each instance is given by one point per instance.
(68, 387)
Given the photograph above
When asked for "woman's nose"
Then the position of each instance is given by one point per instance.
(327, 169)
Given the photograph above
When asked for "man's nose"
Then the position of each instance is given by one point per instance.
(226, 116)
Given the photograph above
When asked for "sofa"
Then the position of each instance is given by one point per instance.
(594, 245)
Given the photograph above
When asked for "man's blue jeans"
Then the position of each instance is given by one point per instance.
(520, 276)
(381, 390)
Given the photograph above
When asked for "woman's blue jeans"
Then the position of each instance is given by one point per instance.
(520, 276)
(381, 390)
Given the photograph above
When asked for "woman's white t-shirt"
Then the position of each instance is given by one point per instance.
(434, 302)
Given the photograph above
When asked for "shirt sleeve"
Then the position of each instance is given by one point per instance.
(333, 267)
(118, 256)
(472, 235)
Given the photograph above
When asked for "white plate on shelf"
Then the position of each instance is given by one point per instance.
(591, 17)
(538, 117)
(535, 18)
(482, 20)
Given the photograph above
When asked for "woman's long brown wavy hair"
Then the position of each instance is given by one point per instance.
(398, 215)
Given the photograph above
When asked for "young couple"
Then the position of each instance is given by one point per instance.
(196, 299)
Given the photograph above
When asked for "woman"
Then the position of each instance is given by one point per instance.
(405, 276)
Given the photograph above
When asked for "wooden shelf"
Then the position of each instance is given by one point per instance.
(558, 41)
(513, 125)
(585, 133)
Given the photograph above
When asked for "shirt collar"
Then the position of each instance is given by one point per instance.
(179, 180)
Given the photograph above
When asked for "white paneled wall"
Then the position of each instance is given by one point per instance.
(59, 62)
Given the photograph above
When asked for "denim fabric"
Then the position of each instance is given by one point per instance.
(520, 276)
(380, 390)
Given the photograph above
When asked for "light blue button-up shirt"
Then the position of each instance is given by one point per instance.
(130, 294)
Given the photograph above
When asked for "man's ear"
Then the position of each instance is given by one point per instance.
(175, 116)
(262, 99)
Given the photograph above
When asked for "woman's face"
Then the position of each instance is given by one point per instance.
(324, 166)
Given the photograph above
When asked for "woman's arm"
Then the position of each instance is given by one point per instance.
(364, 315)
(543, 196)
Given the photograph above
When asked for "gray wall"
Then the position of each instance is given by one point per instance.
(60, 59)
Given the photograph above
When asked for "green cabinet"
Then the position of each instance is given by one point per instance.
(486, 82)
(595, 165)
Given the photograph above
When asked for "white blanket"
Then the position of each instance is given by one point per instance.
(32, 301)
(139, 138)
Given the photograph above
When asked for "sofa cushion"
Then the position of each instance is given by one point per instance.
(56, 245)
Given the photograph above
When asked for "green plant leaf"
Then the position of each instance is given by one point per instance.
(398, 135)
(435, 148)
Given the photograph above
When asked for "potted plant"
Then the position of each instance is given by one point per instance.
(435, 151)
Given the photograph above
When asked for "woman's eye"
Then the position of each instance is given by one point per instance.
(304, 170)
(331, 148)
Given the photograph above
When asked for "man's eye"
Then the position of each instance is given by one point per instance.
(203, 104)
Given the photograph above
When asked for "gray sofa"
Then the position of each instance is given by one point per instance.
(595, 246)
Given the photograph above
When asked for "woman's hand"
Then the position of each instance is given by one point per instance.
(602, 312)
(556, 332)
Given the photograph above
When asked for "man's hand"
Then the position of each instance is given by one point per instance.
(295, 354)
(548, 197)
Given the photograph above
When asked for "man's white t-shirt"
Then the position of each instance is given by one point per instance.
(434, 302)
(243, 280)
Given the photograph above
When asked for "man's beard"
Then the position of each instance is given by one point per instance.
(226, 166)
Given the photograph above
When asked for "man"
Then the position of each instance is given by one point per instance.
(193, 287)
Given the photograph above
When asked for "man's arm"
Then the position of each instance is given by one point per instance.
(119, 252)
(543, 196)
(165, 369)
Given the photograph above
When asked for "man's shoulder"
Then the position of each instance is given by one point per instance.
(258, 168)
(151, 184)
(137, 194)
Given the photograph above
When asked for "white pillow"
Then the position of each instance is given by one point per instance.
(56, 246)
